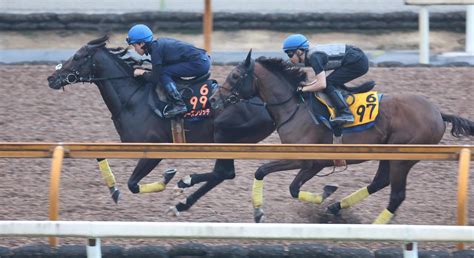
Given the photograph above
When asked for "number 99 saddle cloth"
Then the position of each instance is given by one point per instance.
(195, 91)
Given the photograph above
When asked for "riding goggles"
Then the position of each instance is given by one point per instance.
(290, 53)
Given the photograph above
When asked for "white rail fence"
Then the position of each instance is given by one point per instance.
(94, 230)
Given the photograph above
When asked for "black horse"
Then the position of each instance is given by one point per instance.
(126, 98)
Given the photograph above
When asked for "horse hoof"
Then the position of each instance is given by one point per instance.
(334, 208)
(172, 211)
(258, 215)
(328, 190)
(168, 175)
(115, 194)
(185, 182)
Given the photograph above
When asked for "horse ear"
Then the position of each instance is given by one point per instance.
(248, 59)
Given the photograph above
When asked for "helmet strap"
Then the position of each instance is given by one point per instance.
(146, 47)
(299, 55)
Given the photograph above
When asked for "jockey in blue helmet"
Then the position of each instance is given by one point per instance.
(170, 58)
(347, 62)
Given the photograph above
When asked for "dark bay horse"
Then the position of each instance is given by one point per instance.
(403, 119)
(126, 98)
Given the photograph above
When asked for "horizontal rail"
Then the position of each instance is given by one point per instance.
(237, 151)
(270, 231)
(439, 2)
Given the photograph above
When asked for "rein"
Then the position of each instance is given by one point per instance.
(74, 77)
(247, 80)
(92, 79)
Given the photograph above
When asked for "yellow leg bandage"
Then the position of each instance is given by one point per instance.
(354, 198)
(384, 217)
(153, 187)
(310, 197)
(257, 193)
(106, 173)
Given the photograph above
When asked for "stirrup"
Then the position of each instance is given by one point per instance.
(174, 111)
(343, 119)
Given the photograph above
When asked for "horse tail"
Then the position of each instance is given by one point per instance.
(461, 126)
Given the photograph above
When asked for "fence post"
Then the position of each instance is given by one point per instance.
(424, 27)
(470, 29)
(93, 248)
(207, 25)
(410, 250)
(56, 164)
(463, 183)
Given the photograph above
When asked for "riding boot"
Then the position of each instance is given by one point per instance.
(177, 106)
(343, 114)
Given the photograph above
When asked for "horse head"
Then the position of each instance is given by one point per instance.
(79, 68)
(238, 85)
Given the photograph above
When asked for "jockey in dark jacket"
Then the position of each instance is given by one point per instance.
(170, 58)
(348, 63)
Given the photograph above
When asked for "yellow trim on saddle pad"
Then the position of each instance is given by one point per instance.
(364, 106)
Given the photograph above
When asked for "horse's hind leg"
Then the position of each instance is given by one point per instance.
(380, 181)
(109, 178)
(398, 179)
(143, 168)
(226, 166)
(223, 170)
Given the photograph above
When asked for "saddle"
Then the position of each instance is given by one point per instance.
(363, 103)
(195, 92)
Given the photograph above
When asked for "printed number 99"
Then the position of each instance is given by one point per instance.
(203, 99)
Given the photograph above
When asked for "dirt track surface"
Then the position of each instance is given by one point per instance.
(32, 112)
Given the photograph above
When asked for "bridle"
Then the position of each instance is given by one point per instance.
(74, 76)
(246, 81)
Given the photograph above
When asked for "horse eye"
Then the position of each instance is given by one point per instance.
(235, 76)
(75, 57)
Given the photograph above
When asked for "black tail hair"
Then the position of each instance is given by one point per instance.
(461, 126)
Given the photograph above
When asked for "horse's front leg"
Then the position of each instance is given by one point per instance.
(257, 188)
(109, 178)
(302, 177)
(143, 168)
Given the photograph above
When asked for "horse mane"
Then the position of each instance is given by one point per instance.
(293, 74)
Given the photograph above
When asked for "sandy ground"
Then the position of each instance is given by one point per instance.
(440, 41)
(31, 112)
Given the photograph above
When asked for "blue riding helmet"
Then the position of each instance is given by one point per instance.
(294, 42)
(139, 33)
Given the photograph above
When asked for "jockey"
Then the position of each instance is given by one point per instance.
(170, 58)
(348, 63)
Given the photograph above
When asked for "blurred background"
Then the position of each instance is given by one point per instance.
(51, 30)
